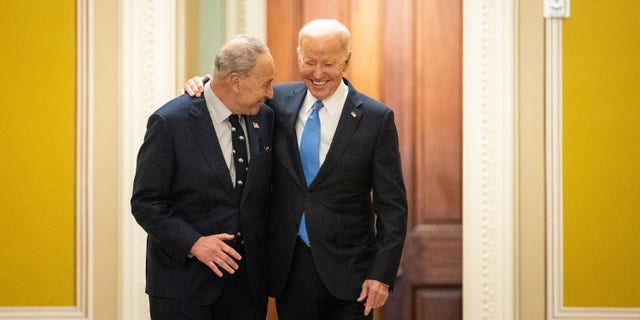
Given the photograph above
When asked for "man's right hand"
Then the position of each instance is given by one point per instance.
(216, 254)
(195, 85)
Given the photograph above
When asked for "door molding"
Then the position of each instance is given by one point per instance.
(489, 158)
(148, 72)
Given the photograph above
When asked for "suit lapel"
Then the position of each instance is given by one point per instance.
(347, 125)
(205, 134)
(287, 117)
(254, 125)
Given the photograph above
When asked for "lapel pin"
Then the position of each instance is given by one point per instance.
(353, 114)
(256, 125)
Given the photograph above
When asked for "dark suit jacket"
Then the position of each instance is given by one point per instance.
(353, 237)
(183, 190)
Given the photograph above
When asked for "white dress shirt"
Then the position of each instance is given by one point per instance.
(329, 117)
(219, 115)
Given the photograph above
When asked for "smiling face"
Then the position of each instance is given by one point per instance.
(322, 61)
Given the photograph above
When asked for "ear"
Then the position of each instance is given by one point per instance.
(346, 63)
(234, 81)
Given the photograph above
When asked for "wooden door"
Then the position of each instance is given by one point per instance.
(407, 54)
(423, 73)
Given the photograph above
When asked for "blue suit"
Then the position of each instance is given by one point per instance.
(183, 190)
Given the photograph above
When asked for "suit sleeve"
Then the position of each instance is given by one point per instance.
(389, 203)
(151, 203)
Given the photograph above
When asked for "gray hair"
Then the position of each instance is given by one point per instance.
(322, 27)
(239, 55)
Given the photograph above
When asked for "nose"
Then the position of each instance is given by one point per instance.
(318, 70)
(269, 94)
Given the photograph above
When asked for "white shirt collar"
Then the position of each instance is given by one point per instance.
(332, 104)
(219, 112)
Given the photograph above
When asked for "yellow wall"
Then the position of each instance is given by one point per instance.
(37, 162)
(601, 103)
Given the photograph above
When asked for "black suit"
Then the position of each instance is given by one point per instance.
(183, 190)
(353, 237)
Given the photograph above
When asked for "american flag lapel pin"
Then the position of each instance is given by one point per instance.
(256, 125)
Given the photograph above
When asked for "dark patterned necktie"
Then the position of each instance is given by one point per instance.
(240, 159)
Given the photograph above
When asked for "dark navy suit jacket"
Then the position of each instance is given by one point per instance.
(355, 208)
(183, 190)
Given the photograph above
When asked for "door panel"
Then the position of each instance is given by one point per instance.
(428, 36)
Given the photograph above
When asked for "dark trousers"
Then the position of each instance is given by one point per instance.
(234, 303)
(305, 297)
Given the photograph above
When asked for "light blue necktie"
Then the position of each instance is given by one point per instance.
(310, 156)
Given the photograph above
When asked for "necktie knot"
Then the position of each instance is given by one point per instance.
(234, 119)
(315, 108)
